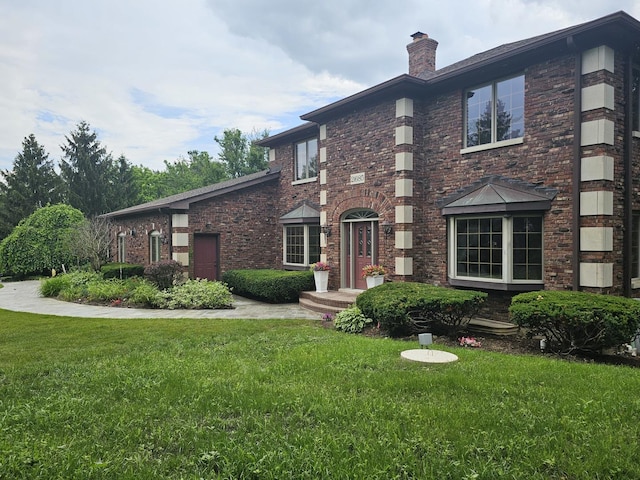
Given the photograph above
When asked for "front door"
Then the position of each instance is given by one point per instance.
(205, 256)
(360, 246)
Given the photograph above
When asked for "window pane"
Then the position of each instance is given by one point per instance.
(295, 245)
(510, 108)
(527, 252)
(301, 161)
(479, 254)
(479, 114)
(314, 243)
(306, 159)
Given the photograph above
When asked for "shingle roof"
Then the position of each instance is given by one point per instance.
(181, 201)
(618, 28)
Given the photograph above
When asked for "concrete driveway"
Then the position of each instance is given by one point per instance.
(25, 297)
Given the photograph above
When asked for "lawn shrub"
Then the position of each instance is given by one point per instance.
(575, 322)
(196, 294)
(122, 270)
(408, 307)
(164, 274)
(142, 293)
(106, 290)
(351, 320)
(51, 287)
(273, 286)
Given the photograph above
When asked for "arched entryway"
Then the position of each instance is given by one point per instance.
(359, 246)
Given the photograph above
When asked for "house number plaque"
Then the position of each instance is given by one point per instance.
(357, 178)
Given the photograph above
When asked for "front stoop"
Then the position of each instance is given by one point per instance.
(336, 301)
(328, 302)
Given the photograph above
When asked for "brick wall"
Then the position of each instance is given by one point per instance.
(137, 230)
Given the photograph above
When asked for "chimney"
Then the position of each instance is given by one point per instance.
(422, 54)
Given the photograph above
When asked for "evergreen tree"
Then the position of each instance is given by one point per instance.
(124, 191)
(86, 171)
(33, 183)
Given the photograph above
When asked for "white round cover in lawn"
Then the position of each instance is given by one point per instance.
(428, 356)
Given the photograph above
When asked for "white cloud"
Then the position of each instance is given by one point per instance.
(157, 78)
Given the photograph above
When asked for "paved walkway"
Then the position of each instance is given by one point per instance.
(25, 297)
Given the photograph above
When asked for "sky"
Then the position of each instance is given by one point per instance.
(158, 78)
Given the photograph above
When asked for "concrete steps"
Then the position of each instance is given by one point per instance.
(336, 301)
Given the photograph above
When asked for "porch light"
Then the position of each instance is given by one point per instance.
(326, 229)
(387, 227)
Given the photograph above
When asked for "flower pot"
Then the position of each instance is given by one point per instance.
(375, 281)
(322, 280)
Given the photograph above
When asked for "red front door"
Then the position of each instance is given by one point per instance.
(205, 256)
(361, 246)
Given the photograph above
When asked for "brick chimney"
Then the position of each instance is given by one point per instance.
(422, 54)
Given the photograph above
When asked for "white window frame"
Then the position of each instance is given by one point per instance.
(306, 227)
(154, 240)
(307, 177)
(122, 248)
(494, 143)
(507, 251)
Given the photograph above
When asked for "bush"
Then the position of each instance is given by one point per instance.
(408, 307)
(142, 293)
(51, 287)
(106, 290)
(164, 274)
(273, 286)
(121, 270)
(197, 294)
(40, 242)
(574, 322)
(351, 320)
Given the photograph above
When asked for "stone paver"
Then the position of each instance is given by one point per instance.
(25, 297)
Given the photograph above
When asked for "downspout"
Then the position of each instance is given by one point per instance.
(628, 183)
(577, 162)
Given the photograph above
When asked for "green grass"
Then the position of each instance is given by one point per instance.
(147, 399)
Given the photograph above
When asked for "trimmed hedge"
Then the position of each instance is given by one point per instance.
(272, 286)
(403, 308)
(573, 322)
(127, 270)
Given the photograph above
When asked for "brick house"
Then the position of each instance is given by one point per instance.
(516, 169)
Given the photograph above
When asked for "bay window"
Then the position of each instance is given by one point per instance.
(496, 249)
(301, 245)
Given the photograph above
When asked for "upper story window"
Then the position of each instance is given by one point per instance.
(494, 112)
(122, 251)
(306, 159)
(154, 247)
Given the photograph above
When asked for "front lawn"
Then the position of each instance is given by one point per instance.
(148, 399)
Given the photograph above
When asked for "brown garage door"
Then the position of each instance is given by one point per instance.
(205, 256)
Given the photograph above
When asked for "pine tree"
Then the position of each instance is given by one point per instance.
(87, 172)
(33, 183)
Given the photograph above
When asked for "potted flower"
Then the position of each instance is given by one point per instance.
(321, 276)
(374, 275)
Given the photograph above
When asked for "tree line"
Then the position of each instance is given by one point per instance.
(89, 179)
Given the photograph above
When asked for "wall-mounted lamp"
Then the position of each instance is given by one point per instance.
(326, 229)
(164, 239)
(207, 226)
(133, 232)
(387, 227)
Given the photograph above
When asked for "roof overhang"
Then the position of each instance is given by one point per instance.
(497, 194)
